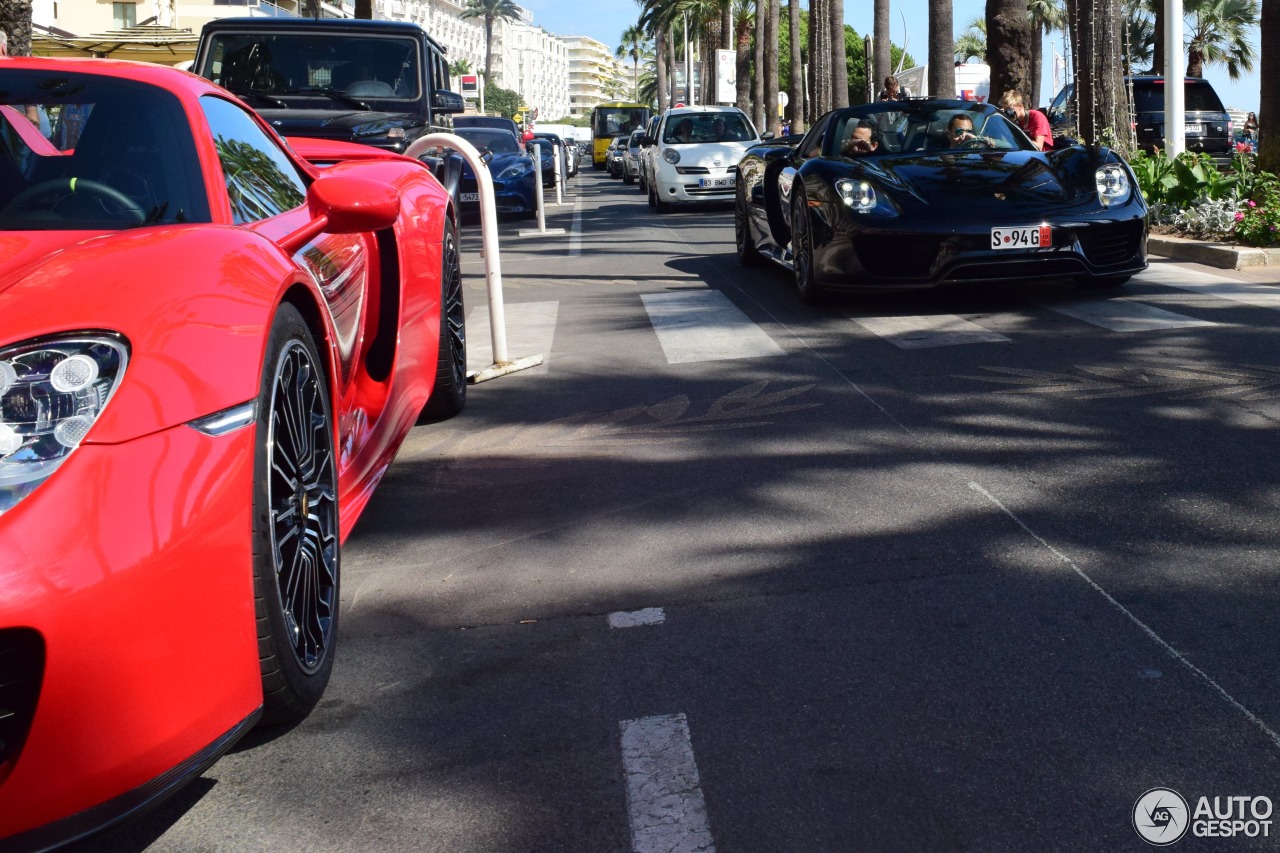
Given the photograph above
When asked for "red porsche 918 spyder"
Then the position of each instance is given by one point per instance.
(210, 350)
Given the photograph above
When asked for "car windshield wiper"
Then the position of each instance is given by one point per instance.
(263, 96)
(335, 95)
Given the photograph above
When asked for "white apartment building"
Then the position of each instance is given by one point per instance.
(527, 59)
(591, 65)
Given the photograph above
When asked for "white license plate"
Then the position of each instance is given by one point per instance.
(716, 182)
(1192, 129)
(468, 196)
(1034, 237)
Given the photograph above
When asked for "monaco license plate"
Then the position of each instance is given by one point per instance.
(468, 196)
(716, 183)
(1033, 237)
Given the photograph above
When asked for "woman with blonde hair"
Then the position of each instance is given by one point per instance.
(1032, 122)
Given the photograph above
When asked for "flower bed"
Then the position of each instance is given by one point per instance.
(1188, 195)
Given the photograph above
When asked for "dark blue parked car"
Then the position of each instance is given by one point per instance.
(513, 174)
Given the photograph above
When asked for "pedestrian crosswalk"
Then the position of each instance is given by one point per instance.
(697, 324)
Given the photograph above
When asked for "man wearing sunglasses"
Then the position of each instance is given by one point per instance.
(960, 133)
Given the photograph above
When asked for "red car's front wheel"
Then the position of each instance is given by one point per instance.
(295, 515)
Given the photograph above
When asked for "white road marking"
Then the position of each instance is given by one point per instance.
(664, 799)
(943, 330)
(636, 618)
(1119, 315)
(1257, 295)
(575, 231)
(531, 329)
(704, 325)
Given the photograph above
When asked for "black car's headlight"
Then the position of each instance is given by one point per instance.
(511, 172)
(861, 198)
(51, 392)
(1113, 184)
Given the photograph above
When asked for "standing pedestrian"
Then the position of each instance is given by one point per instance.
(892, 90)
(1251, 127)
(1032, 122)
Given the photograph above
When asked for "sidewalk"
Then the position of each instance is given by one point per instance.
(1260, 266)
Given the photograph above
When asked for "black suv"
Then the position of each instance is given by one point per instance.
(381, 83)
(1208, 126)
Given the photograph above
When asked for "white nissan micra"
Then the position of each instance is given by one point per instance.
(694, 153)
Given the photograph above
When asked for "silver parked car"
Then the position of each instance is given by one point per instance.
(631, 163)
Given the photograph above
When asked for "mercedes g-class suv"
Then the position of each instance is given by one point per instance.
(381, 83)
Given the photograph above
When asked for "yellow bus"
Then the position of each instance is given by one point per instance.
(616, 118)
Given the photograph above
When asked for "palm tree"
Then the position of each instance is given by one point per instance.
(819, 58)
(1140, 39)
(744, 23)
(1219, 35)
(15, 20)
(972, 43)
(942, 69)
(459, 67)
(1269, 101)
(1009, 46)
(1047, 16)
(839, 61)
(1103, 116)
(634, 44)
(796, 95)
(491, 11)
(881, 45)
(771, 36)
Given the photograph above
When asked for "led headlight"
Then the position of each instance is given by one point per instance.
(389, 129)
(512, 172)
(1113, 183)
(51, 392)
(860, 196)
(671, 155)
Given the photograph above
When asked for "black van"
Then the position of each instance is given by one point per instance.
(381, 83)
(1208, 125)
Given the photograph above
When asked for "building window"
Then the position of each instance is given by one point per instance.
(124, 15)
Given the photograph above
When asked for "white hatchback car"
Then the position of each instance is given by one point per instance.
(695, 152)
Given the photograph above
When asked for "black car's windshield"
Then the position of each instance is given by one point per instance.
(707, 127)
(84, 152)
(928, 126)
(493, 140)
(302, 64)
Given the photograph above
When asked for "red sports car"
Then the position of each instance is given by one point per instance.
(210, 350)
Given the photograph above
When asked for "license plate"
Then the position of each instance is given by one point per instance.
(716, 182)
(1034, 237)
(1191, 129)
(468, 196)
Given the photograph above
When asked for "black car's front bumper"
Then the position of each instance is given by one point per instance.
(897, 257)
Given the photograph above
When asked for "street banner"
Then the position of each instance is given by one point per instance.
(726, 76)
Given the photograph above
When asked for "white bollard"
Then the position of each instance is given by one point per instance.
(537, 189)
(492, 261)
(556, 153)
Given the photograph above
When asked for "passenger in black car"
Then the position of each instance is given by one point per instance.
(863, 139)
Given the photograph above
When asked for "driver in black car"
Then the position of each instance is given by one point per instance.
(960, 132)
(863, 139)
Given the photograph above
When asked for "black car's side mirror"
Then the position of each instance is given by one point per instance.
(768, 134)
(444, 101)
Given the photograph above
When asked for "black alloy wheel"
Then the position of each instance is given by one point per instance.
(295, 515)
(449, 395)
(802, 247)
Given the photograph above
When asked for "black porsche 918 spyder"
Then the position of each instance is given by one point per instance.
(919, 193)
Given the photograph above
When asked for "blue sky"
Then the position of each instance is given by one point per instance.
(605, 20)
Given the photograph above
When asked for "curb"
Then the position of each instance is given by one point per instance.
(1227, 256)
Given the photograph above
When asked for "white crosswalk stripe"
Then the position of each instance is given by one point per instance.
(923, 332)
(703, 325)
(1121, 315)
(531, 330)
(1257, 295)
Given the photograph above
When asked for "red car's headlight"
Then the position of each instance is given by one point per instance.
(51, 392)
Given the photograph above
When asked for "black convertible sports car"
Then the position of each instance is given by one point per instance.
(917, 193)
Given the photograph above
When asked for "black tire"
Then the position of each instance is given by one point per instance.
(1102, 282)
(644, 185)
(656, 200)
(653, 196)
(449, 396)
(802, 249)
(296, 555)
(628, 179)
(748, 254)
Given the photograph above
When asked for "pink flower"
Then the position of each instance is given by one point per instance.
(1239, 217)
(1252, 203)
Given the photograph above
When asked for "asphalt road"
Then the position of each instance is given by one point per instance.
(965, 570)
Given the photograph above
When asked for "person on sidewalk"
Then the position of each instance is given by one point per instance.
(1032, 122)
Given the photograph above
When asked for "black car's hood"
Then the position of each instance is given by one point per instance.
(331, 123)
(952, 183)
